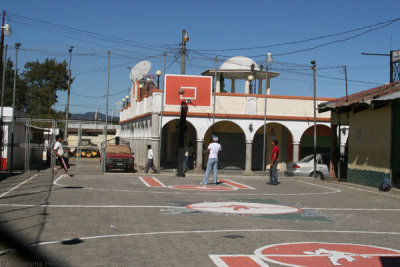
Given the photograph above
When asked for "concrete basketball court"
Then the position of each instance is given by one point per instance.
(137, 219)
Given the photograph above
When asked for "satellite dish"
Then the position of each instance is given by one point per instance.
(140, 70)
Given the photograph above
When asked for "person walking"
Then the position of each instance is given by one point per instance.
(273, 172)
(61, 159)
(150, 161)
(189, 152)
(214, 148)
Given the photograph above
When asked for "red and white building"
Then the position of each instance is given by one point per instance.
(149, 118)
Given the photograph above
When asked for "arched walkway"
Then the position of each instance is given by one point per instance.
(170, 142)
(323, 141)
(232, 139)
(273, 131)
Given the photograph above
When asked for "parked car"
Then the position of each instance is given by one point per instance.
(119, 157)
(88, 149)
(305, 167)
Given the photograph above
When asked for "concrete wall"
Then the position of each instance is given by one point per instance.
(369, 146)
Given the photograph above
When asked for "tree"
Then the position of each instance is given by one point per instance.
(21, 99)
(37, 87)
(43, 81)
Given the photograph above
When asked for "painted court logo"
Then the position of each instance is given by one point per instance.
(236, 207)
(325, 254)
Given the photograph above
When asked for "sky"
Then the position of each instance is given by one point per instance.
(333, 33)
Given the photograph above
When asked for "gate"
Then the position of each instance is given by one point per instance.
(84, 145)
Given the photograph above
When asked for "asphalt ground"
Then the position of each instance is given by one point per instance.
(124, 219)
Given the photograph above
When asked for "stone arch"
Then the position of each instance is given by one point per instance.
(277, 131)
(232, 139)
(170, 142)
(323, 140)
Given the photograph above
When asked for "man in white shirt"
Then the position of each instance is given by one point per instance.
(214, 148)
(59, 152)
(150, 161)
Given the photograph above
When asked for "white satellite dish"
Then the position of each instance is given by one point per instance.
(140, 70)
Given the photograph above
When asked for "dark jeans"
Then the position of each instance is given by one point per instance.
(149, 165)
(273, 173)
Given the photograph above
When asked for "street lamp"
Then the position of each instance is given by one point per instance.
(140, 90)
(254, 73)
(123, 103)
(250, 78)
(314, 68)
(158, 73)
(268, 60)
(6, 29)
(148, 80)
(185, 39)
(127, 100)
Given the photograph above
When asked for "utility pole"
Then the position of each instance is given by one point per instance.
(2, 43)
(345, 77)
(68, 95)
(215, 93)
(185, 39)
(2, 105)
(268, 60)
(106, 126)
(314, 68)
(17, 45)
(161, 112)
(5, 30)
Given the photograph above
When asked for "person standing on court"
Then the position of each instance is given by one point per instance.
(59, 152)
(273, 172)
(214, 148)
(150, 161)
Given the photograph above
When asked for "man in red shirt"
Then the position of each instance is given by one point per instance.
(273, 172)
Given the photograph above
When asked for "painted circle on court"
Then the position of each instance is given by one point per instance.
(202, 188)
(325, 254)
(242, 208)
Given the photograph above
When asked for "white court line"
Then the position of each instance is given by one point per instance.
(91, 206)
(166, 207)
(218, 231)
(220, 263)
(248, 187)
(18, 185)
(143, 181)
(333, 191)
(369, 191)
(324, 256)
(350, 209)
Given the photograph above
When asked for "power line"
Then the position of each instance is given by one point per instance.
(385, 23)
(80, 31)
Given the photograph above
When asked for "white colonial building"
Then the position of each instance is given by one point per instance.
(238, 121)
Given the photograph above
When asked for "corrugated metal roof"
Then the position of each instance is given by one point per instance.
(366, 97)
(388, 97)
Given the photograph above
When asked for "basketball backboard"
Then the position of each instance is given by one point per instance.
(195, 90)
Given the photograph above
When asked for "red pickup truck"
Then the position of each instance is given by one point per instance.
(119, 157)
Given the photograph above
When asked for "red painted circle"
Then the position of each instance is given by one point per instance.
(202, 188)
(325, 254)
